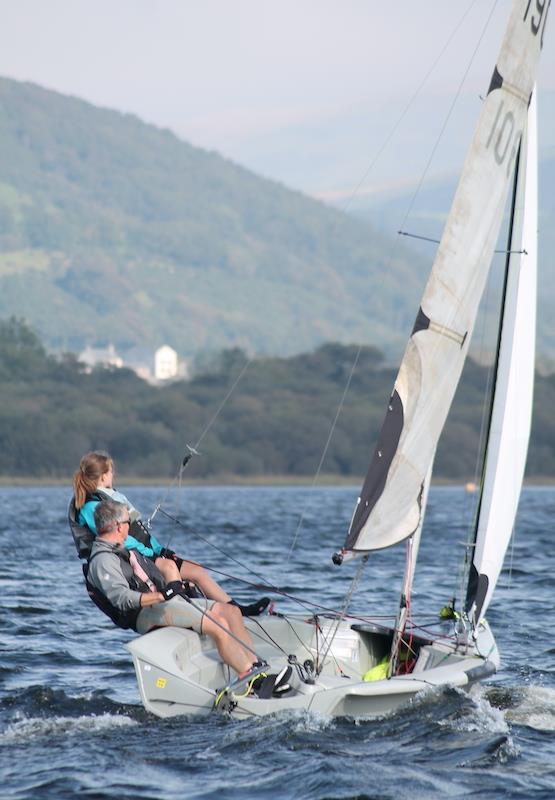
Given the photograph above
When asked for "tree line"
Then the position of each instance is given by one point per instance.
(276, 421)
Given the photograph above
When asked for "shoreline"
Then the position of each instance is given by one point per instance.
(252, 480)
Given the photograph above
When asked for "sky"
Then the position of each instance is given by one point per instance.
(306, 92)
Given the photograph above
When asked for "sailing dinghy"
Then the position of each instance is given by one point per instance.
(179, 672)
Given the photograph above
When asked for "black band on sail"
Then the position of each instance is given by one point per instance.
(496, 81)
(422, 322)
(377, 474)
(477, 590)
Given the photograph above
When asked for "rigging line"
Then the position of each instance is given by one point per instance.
(471, 511)
(444, 126)
(303, 603)
(265, 636)
(495, 367)
(182, 467)
(307, 604)
(440, 135)
(224, 401)
(215, 546)
(405, 111)
(295, 634)
(416, 236)
(189, 453)
(318, 631)
(437, 241)
(434, 149)
(448, 116)
(301, 641)
(343, 614)
(179, 475)
(230, 633)
(326, 447)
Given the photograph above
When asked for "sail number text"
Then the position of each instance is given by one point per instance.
(538, 16)
(504, 137)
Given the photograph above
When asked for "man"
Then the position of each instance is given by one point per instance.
(135, 595)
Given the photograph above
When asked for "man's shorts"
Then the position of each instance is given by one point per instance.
(178, 611)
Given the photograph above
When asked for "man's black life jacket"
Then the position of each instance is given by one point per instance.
(83, 538)
(123, 619)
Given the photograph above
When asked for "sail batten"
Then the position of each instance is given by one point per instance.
(389, 508)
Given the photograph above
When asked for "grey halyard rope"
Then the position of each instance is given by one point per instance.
(406, 109)
(194, 450)
(326, 446)
(343, 613)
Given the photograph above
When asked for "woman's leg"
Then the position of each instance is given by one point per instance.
(191, 571)
(168, 568)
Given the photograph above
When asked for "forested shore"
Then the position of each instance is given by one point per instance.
(273, 427)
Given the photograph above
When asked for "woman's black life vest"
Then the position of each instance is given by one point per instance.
(83, 537)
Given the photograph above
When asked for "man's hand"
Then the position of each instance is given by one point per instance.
(151, 598)
(172, 589)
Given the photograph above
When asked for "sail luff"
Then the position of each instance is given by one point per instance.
(512, 405)
(390, 505)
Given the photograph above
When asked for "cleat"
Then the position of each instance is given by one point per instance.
(282, 689)
(281, 683)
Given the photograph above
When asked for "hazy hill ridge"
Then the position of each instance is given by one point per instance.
(114, 230)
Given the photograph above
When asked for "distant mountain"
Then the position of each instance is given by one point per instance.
(112, 230)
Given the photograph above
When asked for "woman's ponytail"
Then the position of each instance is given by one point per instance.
(85, 481)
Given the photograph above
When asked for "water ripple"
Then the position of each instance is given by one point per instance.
(69, 707)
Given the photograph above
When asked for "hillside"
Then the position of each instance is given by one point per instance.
(114, 230)
(276, 421)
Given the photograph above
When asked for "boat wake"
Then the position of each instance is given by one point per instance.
(479, 715)
(25, 728)
(532, 706)
(40, 711)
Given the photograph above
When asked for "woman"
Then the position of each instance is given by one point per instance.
(93, 482)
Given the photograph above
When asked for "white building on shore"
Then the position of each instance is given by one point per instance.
(100, 356)
(166, 363)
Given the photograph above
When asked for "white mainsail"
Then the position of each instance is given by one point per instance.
(512, 405)
(390, 505)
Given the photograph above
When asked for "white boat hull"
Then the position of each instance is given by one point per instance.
(179, 672)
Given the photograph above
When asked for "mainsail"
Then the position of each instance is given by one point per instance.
(511, 416)
(390, 504)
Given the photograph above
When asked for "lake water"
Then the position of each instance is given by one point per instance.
(71, 723)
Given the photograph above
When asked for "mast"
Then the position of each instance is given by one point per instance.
(390, 508)
(511, 409)
(404, 601)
